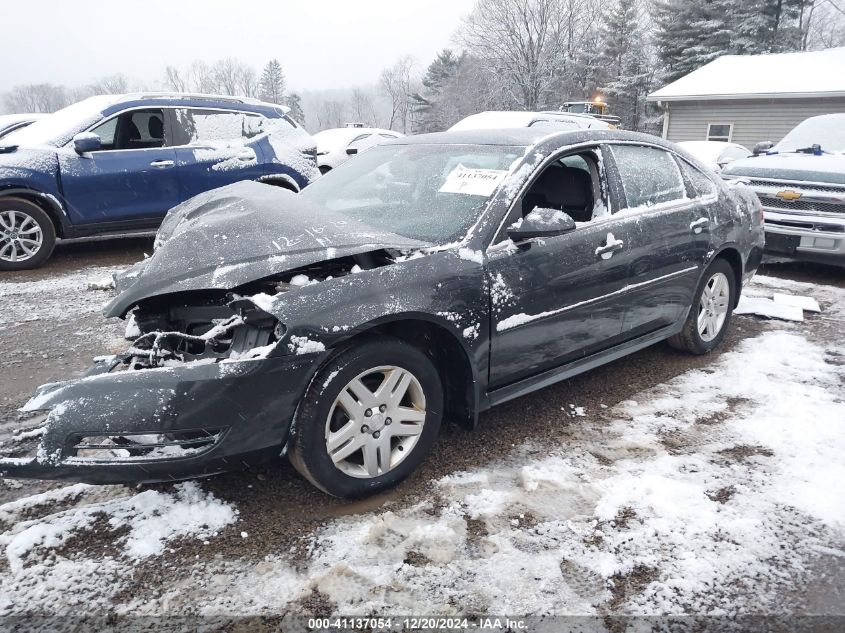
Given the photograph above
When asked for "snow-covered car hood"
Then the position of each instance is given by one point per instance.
(825, 168)
(18, 161)
(241, 233)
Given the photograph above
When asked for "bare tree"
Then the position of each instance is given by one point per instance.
(397, 83)
(362, 108)
(36, 98)
(174, 80)
(523, 41)
(331, 114)
(201, 78)
(110, 85)
(227, 75)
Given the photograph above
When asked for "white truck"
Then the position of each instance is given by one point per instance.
(801, 185)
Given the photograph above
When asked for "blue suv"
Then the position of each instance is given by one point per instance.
(117, 164)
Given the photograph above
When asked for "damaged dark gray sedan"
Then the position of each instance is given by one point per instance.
(428, 279)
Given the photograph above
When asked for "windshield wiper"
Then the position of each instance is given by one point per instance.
(813, 149)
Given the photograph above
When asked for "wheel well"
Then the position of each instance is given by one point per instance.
(733, 257)
(449, 358)
(41, 203)
(284, 183)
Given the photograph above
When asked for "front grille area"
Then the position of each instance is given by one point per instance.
(835, 189)
(801, 205)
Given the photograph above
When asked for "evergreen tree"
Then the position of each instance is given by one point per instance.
(437, 77)
(294, 102)
(272, 85)
(623, 72)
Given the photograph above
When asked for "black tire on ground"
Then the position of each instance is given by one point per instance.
(689, 338)
(48, 233)
(307, 448)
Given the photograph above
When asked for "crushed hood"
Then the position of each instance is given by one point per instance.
(825, 168)
(247, 231)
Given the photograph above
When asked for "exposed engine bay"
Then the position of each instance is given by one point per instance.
(214, 324)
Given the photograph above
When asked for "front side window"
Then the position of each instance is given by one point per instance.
(432, 193)
(136, 129)
(720, 132)
(572, 184)
(649, 176)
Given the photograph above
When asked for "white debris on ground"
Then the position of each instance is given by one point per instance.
(761, 306)
(711, 493)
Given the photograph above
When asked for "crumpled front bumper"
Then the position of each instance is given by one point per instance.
(243, 409)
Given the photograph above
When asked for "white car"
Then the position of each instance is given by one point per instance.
(335, 146)
(497, 120)
(715, 154)
(12, 122)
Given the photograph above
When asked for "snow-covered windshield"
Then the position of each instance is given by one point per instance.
(432, 193)
(827, 130)
(57, 128)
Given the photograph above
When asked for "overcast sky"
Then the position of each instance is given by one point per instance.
(321, 44)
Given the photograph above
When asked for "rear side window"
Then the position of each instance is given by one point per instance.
(649, 176)
(211, 126)
(700, 183)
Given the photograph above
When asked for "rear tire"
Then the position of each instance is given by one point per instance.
(710, 315)
(27, 234)
(368, 419)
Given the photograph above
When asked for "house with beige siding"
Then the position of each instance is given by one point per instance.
(746, 99)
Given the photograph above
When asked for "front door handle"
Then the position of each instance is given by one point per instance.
(611, 246)
(699, 225)
(162, 164)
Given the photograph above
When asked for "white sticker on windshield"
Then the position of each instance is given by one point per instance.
(472, 182)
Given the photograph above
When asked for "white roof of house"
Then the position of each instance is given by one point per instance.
(776, 76)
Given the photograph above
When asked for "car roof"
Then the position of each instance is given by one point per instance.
(526, 137)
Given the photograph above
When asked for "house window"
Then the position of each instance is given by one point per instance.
(720, 131)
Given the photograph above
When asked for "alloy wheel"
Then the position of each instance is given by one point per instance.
(21, 237)
(375, 421)
(713, 306)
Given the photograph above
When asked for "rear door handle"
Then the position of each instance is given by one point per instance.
(162, 164)
(699, 225)
(247, 155)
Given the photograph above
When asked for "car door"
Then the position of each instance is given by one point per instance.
(215, 148)
(557, 299)
(669, 236)
(130, 180)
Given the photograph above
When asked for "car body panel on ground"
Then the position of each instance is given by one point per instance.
(432, 257)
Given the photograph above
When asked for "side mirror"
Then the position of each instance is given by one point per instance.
(541, 223)
(762, 147)
(352, 151)
(87, 142)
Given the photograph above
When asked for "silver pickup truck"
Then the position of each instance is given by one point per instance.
(801, 184)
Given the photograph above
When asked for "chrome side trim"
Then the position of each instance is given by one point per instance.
(525, 318)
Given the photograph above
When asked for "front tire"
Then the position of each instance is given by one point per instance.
(27, 234)
(368, 419)
(710, 315)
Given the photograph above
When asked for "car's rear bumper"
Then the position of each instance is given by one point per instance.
(198, 419)
(816, 238)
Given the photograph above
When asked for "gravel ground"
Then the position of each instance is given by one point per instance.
(277, 509)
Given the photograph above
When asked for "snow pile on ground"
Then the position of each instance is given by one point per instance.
(42, 576)
(55, 299)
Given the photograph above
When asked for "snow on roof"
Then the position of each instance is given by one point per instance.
(782, 75)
